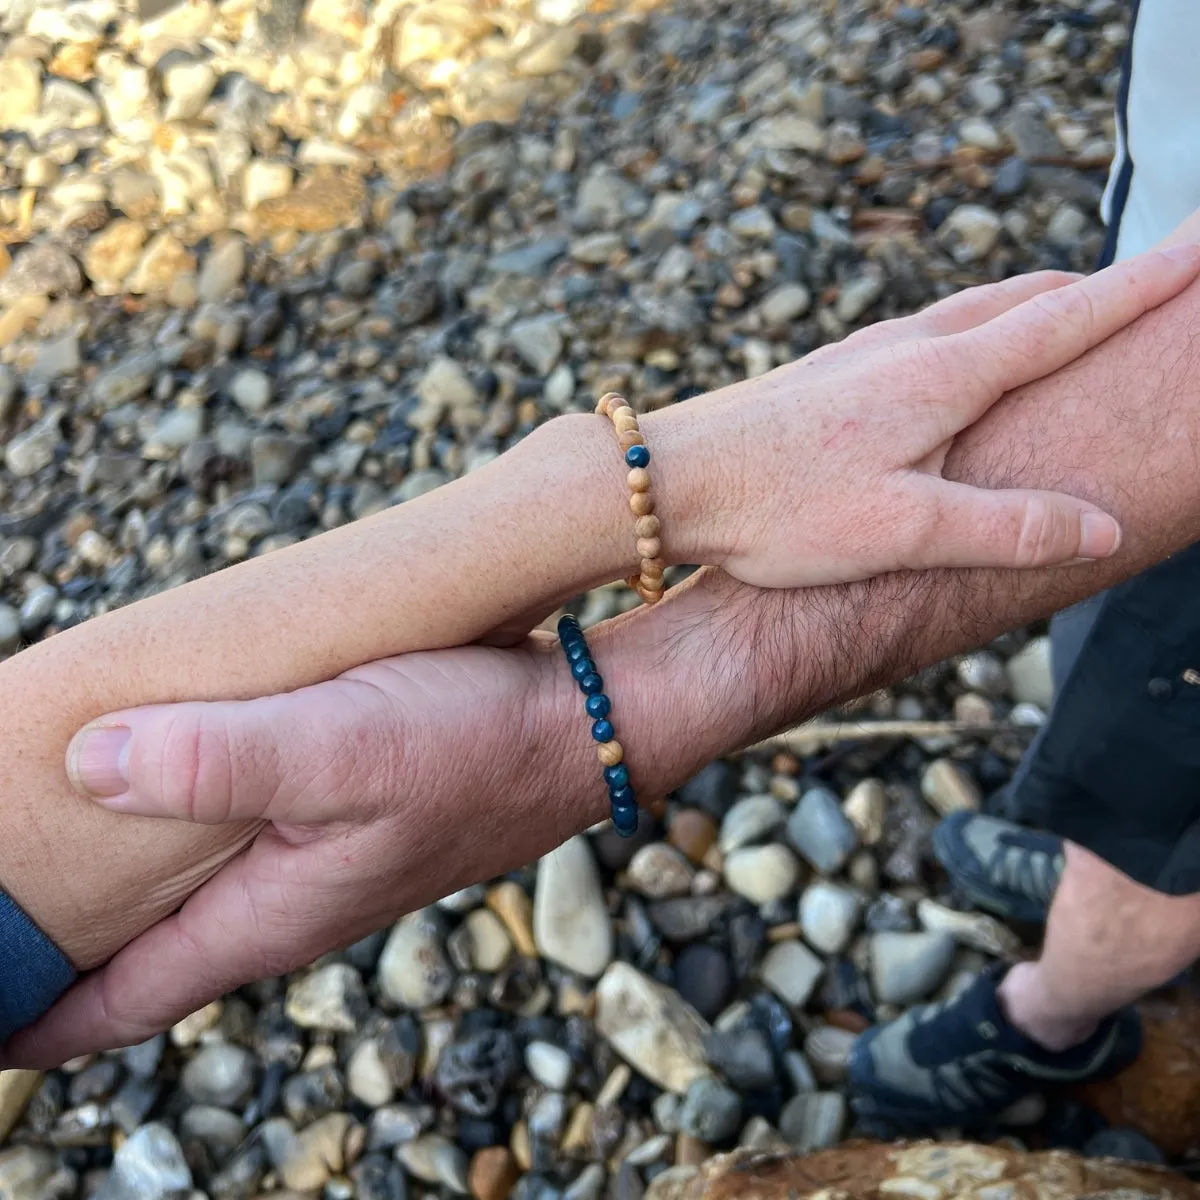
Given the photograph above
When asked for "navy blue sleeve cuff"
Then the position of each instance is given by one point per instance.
(33, 971)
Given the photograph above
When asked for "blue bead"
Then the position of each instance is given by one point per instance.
(616, 777)
(625, 819)
(598, 706)
(603, 730)
(637, 456)
(567, 624)
(622, 796)
(576, 651)
(591, 685)
(582, 667)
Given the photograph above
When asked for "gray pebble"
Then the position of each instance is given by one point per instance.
(711, 1111)
(820, 831)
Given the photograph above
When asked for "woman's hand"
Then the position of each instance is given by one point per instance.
(829, 469)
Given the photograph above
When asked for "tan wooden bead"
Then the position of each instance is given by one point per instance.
(652, 583)
(639, 480)
(624, 424)
(612, 402)
(623, 411)
(631, 437)
(608, 398)
(647, 527)
(610, 753)
(654, 567)
(649, 547)
(649, 597)
(642, 504)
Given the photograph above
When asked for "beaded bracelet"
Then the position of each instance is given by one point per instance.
(649, 582)
(599, 707)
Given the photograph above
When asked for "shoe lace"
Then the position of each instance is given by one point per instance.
(1029, 872)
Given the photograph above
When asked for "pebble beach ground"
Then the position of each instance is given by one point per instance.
(269, 268)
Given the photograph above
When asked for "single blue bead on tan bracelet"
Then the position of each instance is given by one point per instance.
(637, 456)
(598, 706)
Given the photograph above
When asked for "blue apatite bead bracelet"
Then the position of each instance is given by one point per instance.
(599, 708)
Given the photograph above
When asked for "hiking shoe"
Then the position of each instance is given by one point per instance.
(1010, 871)
(960, 1061)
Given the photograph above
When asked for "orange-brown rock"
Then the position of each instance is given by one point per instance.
(317, 206)
(692, 832)
(930, 1171)
(493, 1173)
(1160, 1093)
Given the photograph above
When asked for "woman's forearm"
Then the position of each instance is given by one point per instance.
(550, 517)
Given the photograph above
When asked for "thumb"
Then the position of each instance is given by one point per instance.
(292, 759)
(1018, 527)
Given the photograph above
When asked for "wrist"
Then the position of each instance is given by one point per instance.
(583, 462)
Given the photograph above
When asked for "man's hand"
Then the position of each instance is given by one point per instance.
(384, 790)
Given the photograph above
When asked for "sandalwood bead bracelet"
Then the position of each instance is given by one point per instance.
(648, 583)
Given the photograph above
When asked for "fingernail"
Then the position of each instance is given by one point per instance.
(1099, 536)
(98, 760)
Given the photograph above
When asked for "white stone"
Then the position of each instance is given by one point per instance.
(750, 820)
(829, 915)
(331, 998)
(265, 180)
(539, 342)
(188, 87)
(789, 133)
(446, 384)
(976, 131)
(785, 303)
(906, 967)
(1029, 674)
(488, 942)
(791, 971)
(20, 91)
(652, 1027)
(367, 1075)
(762, 874)
(550, 1065)
(858, 294)
(948, 789)
(977, 930)
(412, 969)
(222, 271)
(659, 871)
(571, 922)
(251, 390)
(970, 232)
(866, 809)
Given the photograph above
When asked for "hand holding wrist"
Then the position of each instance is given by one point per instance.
(829, 470)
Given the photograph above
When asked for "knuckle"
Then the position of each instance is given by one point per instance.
(195, 769)
(1041, 535)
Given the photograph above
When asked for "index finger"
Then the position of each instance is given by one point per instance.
(1052, 329)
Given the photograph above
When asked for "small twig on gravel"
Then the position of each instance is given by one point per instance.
(806, 739)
